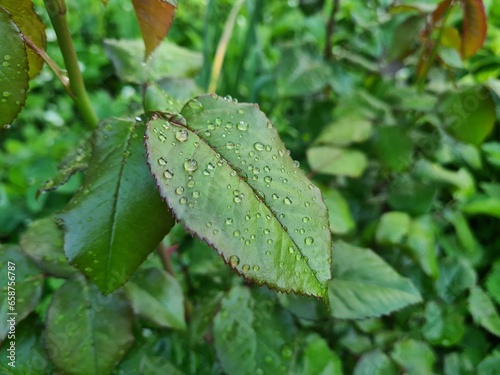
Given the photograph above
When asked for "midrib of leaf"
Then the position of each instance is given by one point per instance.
(116, 195)
(90, 325)
(236, 169)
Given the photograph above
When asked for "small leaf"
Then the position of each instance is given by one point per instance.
(253, 335)
(86, 332)
(337, 161)
(155, 18)
(44, 242)
(455, 277)
(346, 130)
(378, 288)
(31, 26)
(490, 365)
(469, 114)
(474, 27)
(483, 311)
(405, 35)
(393, 147)
(375, 363)
(169, 60)
(421, 244)
(13, 69)
(228, 178)
(157, 297)
(339, 213)
(319, 358)
(21, 276)
(493, 282)
(117, 218)
(393, 228)
(415, 357)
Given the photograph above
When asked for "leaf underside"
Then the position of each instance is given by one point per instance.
(228, 178)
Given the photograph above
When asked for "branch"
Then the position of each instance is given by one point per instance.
(57, 13)
(330, 28)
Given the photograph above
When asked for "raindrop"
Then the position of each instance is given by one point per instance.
(306, 219)
(211, 126)
(209, 224)
(296, 163)
(229, 125)
(268, 179)
(246, 267)
(236, 233)
(179, 190)
(229, 221)
(196, 193)
(237, 199)
(162, 161)
(241, 111)
(243, 125)
(181, 135)
(267, 231)
(298, 256)
(291, 249)
(268, 252)
(275, 196)
(190, 165)
(287, 200)
(268, 148)
(269, 125)
(247, 217)
(183, 200)
(258, 146)
(234, 260)
(218, 121)
(168, 174)
(178, 119)
(309, 240)
(256, 268)
(229, 145)
(162, 137)
(195, 105)
(191, 184)
(210, 166)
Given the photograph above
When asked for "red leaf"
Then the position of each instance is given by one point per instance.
(155, 18)
(474, 27)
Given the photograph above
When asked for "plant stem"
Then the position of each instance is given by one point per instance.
(330, 28)
(57, 13)
(165, 254)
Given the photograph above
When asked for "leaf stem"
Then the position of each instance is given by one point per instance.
(330, 28)
(222, 46)
(57, 13)
(165, 255)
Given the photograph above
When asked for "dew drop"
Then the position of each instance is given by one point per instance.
(191, 184)
(237, 199)
(268, 252)
(287, 200)
(190, 165)
(268, 179)
(168, 174)
(296, 163)
(267, 169)
(267, 231)
(162, 161)
(183, 200)
(234, 260)
(218, 121)
(246, 267)
(306, 219)
(275, 196)
(210, 166)
(258, 146)
(178, 119)
(209, 224)
(229, 125)
(229, 221)
(268, 148)
(229, 145)
(247, 217)
(196, 193)
(309, 240)
(256, 268)
(291, 249)
(243, 126)
(181, 135)
(195, 105)
(236, 233)
(179, 190)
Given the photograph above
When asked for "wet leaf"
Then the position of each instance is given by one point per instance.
(32, 27)
(86, 332)
(118, 194)
(378, 288)
(155, 18)
(474, 27)
(44, 242)
(253, 335)
(13, 69)
(21, 289)
(228, 178)
(157, 297)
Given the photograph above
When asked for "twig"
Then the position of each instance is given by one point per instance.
(330, 29)
(51, 63)
(222, 46)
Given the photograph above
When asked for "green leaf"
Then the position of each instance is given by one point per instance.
(86, 332)
(375, 363)
(415, 357)
(443, 326)
(392, 228)
(483, 311)
(21, 288)
(421, 244)
(405, 35)
(493, 282)
(346, 130)
(30, 356)
(469, 115)
(117, 218)
(155, 99)
(32, 27)
(169, 60)
(410, 194)
(337, 161)
(393, 147)
(319, 358)
(455, 277)
(44, 242)
(340, 217)
(13, 69)
(157, 298)
(474, 27)
(483, 205)
(377, 288)
(252, 335)
(155, 18)
(490, 365)
(74, 162)
(228, 178)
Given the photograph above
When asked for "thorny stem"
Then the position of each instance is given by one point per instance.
(57, 13)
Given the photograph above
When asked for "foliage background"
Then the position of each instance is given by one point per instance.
(423, 197)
